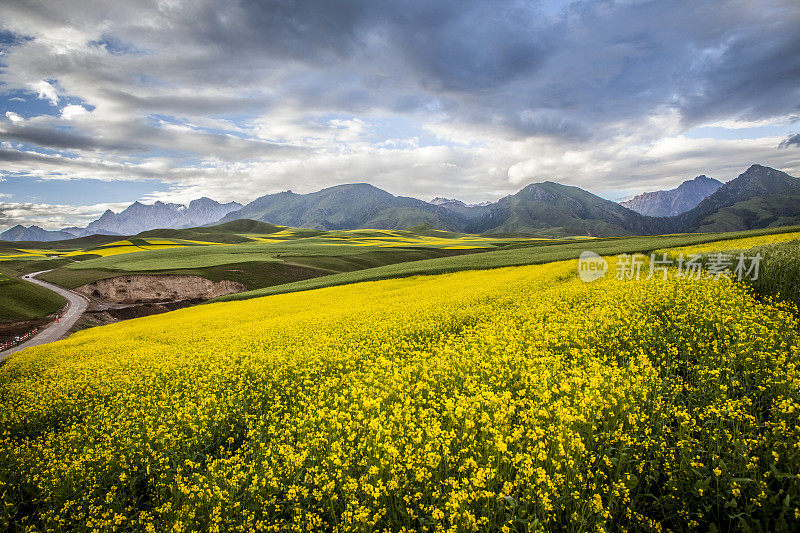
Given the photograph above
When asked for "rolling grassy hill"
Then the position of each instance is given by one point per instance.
(512, 256)
(68, 244)
(268, 256)
(21, 300)
(228, 233)
(772, 210)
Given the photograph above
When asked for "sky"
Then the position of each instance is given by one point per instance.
(103, 104)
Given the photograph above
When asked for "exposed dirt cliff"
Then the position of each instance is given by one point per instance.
(146, 288)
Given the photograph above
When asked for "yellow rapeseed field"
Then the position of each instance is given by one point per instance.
(735, 244)
(516, 399)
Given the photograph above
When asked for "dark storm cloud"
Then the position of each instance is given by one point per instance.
(468, 47)
(790, 140)
(508, 64)
(757, 76)
(189, 105)
(55, 138)
(596, 62)
(481, 62)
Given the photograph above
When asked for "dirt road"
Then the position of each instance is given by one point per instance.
(55, 330)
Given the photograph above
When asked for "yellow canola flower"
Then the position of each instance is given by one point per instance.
(734, 244)
(509, 399)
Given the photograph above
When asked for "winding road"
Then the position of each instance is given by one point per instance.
(55, 330)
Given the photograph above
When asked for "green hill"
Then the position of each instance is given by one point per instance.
(553, 210)
(22, 300)
(761, 212)
(760, 197)
(229, 232)
(350, 206)
(78, 242)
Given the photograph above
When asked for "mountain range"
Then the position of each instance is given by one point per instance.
(350, 206)
(545, 209)
(759, 197)
(674, 201)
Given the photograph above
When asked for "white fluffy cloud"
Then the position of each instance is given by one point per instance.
(13, 117)
(51, 216)
(73, 110)
(46, 91)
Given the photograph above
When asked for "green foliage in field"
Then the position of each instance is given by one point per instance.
(779, 274)
(17, 267)
(252, 270)
(69, 244)
(22, 300)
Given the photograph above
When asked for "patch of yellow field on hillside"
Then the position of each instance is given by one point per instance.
(734, 244)
(122, 247)
(29, 253)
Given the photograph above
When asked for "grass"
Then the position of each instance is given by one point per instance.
(281, 259)
(252, 270)
(779, 272)
(22, 300)
(296, 250)
(69, 244)
(516, 255)
(26, 266)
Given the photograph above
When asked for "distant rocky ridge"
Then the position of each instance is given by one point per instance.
(134, 219)
(34, 233)
(139, 217)
(674, 201)
(451, 203)
(447, 202)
